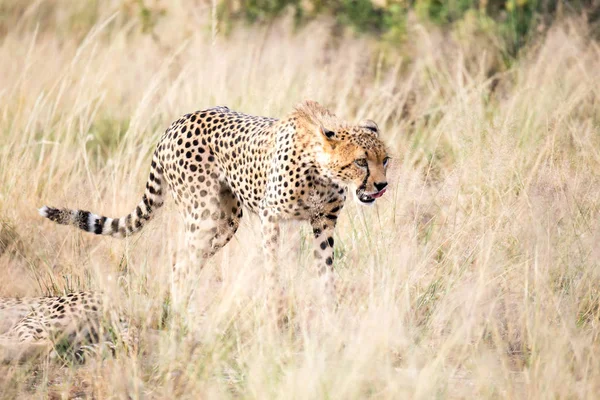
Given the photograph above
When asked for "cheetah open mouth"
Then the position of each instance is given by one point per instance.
(369, 198)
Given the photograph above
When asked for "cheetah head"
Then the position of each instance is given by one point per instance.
(355, 156)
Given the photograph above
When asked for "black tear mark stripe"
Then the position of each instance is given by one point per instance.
(364, 184)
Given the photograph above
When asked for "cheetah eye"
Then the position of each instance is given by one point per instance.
(361, 162)
(386, 161)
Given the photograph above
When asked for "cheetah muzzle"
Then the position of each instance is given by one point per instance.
(368, 198)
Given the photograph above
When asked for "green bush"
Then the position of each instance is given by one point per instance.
(515, 19)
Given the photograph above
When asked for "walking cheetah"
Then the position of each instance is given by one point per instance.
(216, 162)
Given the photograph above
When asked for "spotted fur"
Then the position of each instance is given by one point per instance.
(78, 320)
(216, 162)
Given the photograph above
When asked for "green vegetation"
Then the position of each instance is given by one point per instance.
(514, 21)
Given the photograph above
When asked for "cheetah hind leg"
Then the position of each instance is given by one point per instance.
(208, 227)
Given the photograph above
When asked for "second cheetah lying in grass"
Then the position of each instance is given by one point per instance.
(77, 323)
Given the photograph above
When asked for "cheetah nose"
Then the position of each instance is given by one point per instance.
(380, 186)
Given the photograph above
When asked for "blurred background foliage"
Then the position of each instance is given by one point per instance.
(511, 23)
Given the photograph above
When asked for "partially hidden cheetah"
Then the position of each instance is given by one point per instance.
(78, 322)
(216, 162)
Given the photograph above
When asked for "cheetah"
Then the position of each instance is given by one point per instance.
(79, 322)
(217, 162)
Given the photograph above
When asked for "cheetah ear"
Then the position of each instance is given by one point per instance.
(370, 125)
(328, 134)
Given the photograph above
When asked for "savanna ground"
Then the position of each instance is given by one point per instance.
(477, 276)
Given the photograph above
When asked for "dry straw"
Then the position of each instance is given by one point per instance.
(477, 276)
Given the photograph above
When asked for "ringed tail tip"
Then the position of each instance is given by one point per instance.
(43, 211)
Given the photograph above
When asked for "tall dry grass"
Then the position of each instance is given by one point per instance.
(477, 276)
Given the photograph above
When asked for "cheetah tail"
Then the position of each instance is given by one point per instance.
(115, 227)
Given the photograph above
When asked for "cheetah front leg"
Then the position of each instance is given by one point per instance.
(323, 227)
(270, 241)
